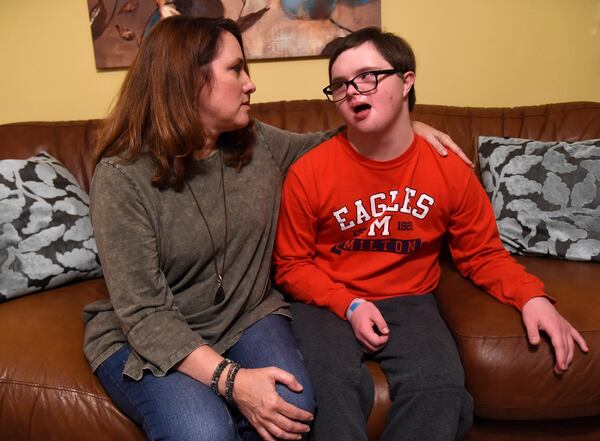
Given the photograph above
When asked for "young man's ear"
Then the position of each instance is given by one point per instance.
(407, 84)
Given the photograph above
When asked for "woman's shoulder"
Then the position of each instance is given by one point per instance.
(120, 163)
(142, 167)
(114, 174)
(266, 133)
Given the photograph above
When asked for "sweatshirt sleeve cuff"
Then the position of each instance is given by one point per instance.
(340, 303)
(527, 292)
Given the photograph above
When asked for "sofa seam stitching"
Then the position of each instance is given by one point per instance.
(44, 386)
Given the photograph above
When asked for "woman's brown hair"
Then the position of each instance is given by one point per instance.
(157, 107)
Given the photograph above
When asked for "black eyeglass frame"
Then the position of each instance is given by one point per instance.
(329, 93)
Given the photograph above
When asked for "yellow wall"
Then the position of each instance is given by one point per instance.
(469, 53)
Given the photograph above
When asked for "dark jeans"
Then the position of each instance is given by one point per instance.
(420, 361)
(178, 408)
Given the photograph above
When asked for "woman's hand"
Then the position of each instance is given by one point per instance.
(438, 140)
(273, 418)
(254, 394)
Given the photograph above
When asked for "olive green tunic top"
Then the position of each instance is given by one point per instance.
(157, 257)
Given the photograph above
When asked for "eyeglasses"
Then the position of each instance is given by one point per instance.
(363, 82)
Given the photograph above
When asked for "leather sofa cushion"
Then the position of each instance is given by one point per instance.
(508, 378)
(44, 374)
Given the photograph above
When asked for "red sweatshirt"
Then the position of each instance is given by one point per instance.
(352, 227)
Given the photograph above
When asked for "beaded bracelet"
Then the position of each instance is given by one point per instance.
(229, 383)
(214, 381)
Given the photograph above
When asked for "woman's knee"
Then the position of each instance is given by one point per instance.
(305, 399)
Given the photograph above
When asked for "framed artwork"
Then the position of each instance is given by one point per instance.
(271, 28)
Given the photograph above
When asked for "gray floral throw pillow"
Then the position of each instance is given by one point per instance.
(45, 231)
(546, 195)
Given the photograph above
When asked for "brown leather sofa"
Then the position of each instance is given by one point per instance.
(47, 391)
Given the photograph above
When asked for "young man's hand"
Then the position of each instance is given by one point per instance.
(369, 327)
(540, 314)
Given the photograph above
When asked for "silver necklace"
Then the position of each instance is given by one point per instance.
(220, 296)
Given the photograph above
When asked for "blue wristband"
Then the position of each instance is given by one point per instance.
(355, 304)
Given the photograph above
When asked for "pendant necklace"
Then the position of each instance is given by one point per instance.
(220, 296)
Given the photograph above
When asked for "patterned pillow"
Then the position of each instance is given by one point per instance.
(45, 231)
(546, 195)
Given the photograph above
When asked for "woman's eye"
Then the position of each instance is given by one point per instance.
(237, 67)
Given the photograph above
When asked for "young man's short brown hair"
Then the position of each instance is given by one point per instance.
(392, 47)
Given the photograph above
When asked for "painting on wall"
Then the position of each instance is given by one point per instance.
(270, 28)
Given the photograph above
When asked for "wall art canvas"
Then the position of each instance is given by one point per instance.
(271, 28)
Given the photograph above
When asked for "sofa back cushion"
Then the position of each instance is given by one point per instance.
(72, 142)
(564, 122)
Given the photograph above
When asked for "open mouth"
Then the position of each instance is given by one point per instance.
(360, 108)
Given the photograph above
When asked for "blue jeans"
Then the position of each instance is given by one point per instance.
(176, 407)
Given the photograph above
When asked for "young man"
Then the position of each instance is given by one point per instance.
(362, 221)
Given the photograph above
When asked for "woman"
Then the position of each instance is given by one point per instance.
(194, 343)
